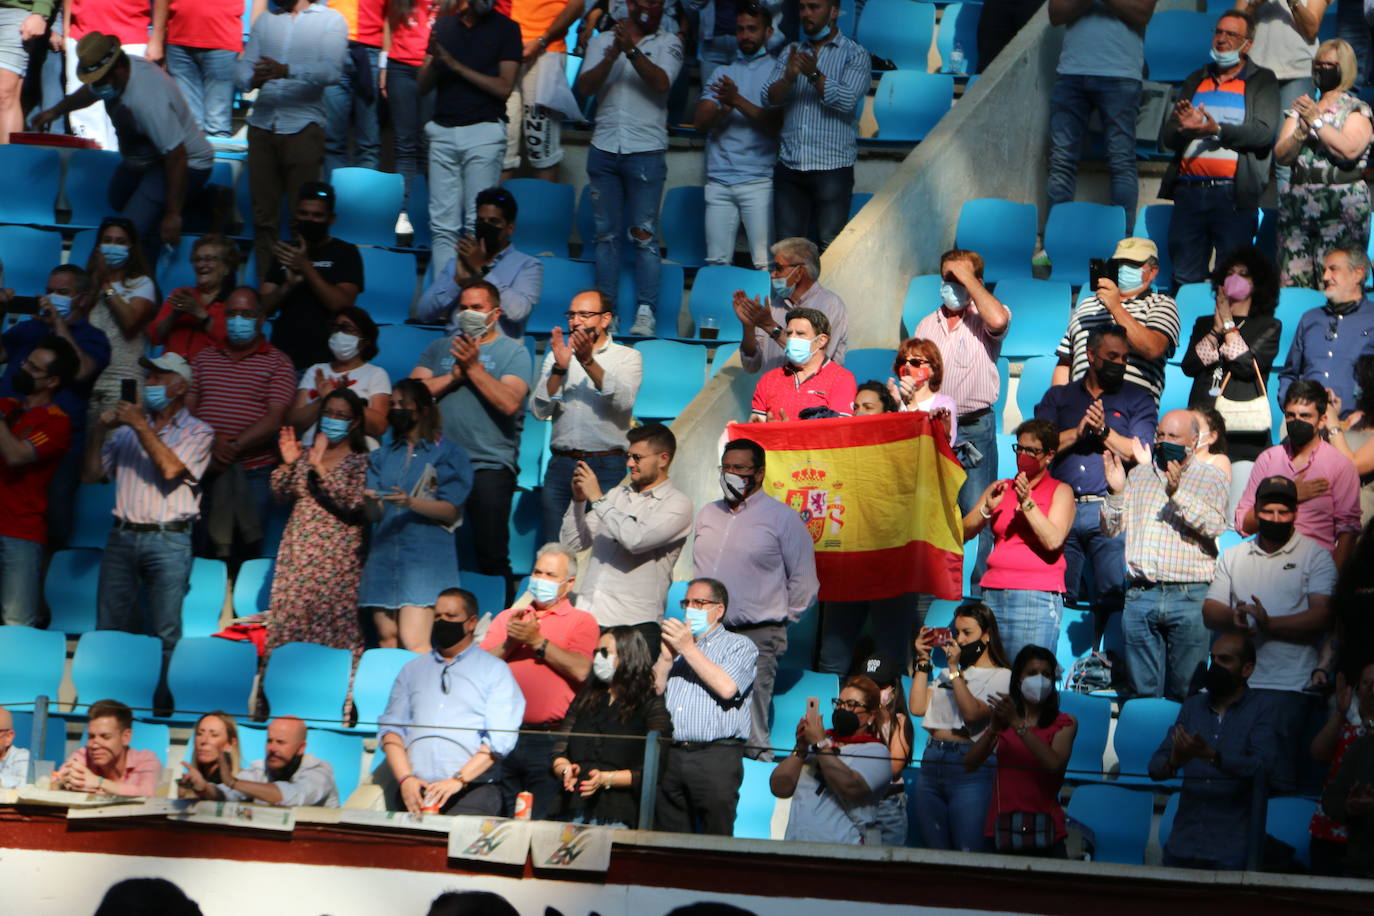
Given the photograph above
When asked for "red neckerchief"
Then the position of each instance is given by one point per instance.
(858, 738)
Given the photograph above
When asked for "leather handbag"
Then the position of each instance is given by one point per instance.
(1250, 416)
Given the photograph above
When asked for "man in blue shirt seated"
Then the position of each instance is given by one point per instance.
(452, 715)
(287, 776)
(1223, 742)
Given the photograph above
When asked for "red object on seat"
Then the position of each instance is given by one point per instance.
(255, 633)
(37, 139)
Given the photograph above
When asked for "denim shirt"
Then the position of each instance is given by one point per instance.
(518, 276)
(393, 465)
(1315, 354)
(738, 150)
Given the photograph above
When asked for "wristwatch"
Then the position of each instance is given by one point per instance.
(776, 332)
(955, 674)
(1228, 326)
(633, 53)
(813, 76)
(1020, 730)
(539, 653)
(557, 371)
(1317, 124)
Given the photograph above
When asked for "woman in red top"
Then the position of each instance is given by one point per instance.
(192, 318)
(411, 22)
(1033, 740)
(1350, 719)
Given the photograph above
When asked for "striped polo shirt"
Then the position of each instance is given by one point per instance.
(232, 394)
(1156, 311)
(1206, 159)
(142, 495)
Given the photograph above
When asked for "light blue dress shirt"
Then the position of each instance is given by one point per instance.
(518, 276)
(738, 150)
(313, 44)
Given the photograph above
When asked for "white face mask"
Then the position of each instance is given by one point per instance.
(603, 666)
(344, 346)
(1036, 687)
(733, 486)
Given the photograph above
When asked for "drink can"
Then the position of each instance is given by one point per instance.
(524, 804)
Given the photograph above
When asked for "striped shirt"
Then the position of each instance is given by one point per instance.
(969, 351)
(822, 131)
(1156, 311)
(700, 715)
(142, 495)
(1206, 159)
(315, 44)
(232, 394)
(1170, 538)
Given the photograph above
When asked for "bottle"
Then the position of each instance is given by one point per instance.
(957, 62)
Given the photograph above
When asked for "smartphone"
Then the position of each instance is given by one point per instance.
(1097, 269)
(22, 305)
(813, 707)
(128, 390)
(940, 635)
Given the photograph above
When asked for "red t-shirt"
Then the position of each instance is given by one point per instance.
(127, 20)
(186, 335)
(233, 394)
(364, 19)
(410, 39)
(24, 490)
(216, 24)
(547, 693)
(1022, 783)
(778, 391)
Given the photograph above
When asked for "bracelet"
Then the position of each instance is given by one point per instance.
(633, 53)
(557, 371)
(606, 779)
(410, 775)
(925, 667)
(983, 511)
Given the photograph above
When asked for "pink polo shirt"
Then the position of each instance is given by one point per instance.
(780, 390)
(1322, 518)
(140, 775)
(547, 693)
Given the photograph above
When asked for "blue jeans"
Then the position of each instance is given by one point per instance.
(1351, 25)
(205, 77)
(627, 187)
(1206, 219)
(893, 623)
(726, 206)
(1025, 618)
(951, 804)
(141, 195)
(1072, 101)
(1086, 542)
(802, 198)
(21, 562)
(410, 111)
(1289, 712)
(342, 105)
(557, 491)
(463, 162)
(982, 434)
(156, 562)
(1166, 640)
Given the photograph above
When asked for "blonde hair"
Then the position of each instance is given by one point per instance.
(231, 732)
(1345, 61)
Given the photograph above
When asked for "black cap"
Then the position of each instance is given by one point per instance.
(317, 190)
(1277, 489)
(879, 668)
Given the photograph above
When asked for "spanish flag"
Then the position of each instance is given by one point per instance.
(879, 496)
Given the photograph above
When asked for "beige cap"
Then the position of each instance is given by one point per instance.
(1135, 249)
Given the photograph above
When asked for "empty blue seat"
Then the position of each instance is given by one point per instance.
(1153, 224)
(1077, 231)
(253, 586)
(1140, 727)
(70, 587)
(959, 26)
(1288, 820)
(1002, 232)
(174, 267)
(563, 279)
(857, 200)
(389, 284)
(490, 592)
(1195, 300)
(377, 670)
(1118, 819)
(1076, 638)
(682, 225)
(204, 602)
(909, 103)
(83, 243)
(417, 211)
(152, 736)
(922, 298)
(1177, 389)
(671, 280)
(1094, 715)
(367, 204)
(790, 690)
(721, 355)
(29, 255)
(112, 665)
(1032, 385)
(1040, 312)
(1294, 302)
(545, 216)
(33, 660)
(664, 394)
(54, 738)
(713, 296)
(343, 753)
(754, 813)
(897, 30)
(672, 605)
(534, 450)
(207, 673)
(870, 363)
(87, 186)
(399, 347)
(526, 528)
(33, 175)
(252, 742)
(308, 680)
(1176, 44)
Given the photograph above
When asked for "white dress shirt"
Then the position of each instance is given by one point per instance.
(585, 418)
(631, 117)
(311, 784)
(312, 44)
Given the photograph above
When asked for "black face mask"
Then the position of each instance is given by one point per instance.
(23, 383)
(970, 653)
(286, 772)
(401, 420)
(488, 235)
(844, 723)
(1220, 681)
(447, 633)
(311, 231)
(1111, 375)
(1275, 532)
(1300, 432)
(1326, 78)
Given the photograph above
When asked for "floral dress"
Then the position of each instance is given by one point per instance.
(320, 561)
(1317, 214)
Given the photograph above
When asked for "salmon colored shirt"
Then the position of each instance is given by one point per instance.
(547, 693)
(139, 777)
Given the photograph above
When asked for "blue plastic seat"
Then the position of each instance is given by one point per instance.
(1166, 819)
(367, 204)
(720, 356)
(682, 225)
(1153, 224)
(1176, 44)
(563, 279)
(713, 296)
(308, 680)
(343, 753)
(389, 284)
(1077, 231)
(526, 528)
(585, 221)
(1032, 385)
(534, 451)
(1094, 715)
(83, 243)
(1140, 727)
(417, 211)
(664, 394)
(207, 673)
(908, 103)
(1294, 302)
(898, 30)
(1076, 638)
(377, 670)
(88, 185)
(1002, 232)
(959, 25)
(1040, 311)
(253, 586)
(790, 690)
(252, 742)
(922, 298)
(33, 660)
(29, 255)
(802, 639)
(857, 200)
(110, 664)
(754, 813)
(545, 216)
(672, 605)
(33, 175)
(1195, 300)
(204, 602)
(1177, 389)
(671, 280)
(1288, 820)
(490, 592)
(54, 738)
(70, 587)
(399, 347)
(1118, 819)
(174, 267)
(152, 736)
(870, 363)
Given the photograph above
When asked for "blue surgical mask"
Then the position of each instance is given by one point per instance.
(782, 289)
(697, 620)
(1225, 59)
(62, 304)
(240, 329)
(335, 429)
(1129, 277)
(155, 397)
(106, 92)
(1169, 451)
(955, 296)
(798, 350)
(114, 255)
(544, 591)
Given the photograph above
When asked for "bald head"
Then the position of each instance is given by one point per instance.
(6, 730)
(285, 741)
(1179, 427)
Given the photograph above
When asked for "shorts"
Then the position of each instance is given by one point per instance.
(13, 57)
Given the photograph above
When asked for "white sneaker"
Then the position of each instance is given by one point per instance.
(403, 226)
(644, 322)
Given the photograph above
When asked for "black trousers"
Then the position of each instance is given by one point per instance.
(527, 769)
(699, 790)
(487, 512)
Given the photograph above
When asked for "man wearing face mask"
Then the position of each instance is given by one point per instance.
(287, 776)
(705, 674)
(1172, 509)
(156, 454)
(311, 279)
(1221, 741)
(548, 645)
(1330, 339)
(1222, 132)
(451, 718)
(1096, 413)
(810, 378)
(795, 271)
(1328, 484)
(1277, 589)
(34, 435)
(763, 553)
(488, 255)
(1125, 298)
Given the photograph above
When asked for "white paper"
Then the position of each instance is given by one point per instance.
(577, 847)
(237, 814)
(551, 88)
(397, 820)
(490, 839)
(154, 807)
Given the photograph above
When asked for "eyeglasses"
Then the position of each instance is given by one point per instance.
(737, 468)
(1227, 33)
(776, 268)
(585, 316)
(697, 603)
(914, 361)
(1029, 450)
(635, 459)
(851, 705)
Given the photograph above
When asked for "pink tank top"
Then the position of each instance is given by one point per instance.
(1017, 559)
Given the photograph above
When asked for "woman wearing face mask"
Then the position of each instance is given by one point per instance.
(192, 317)
(1351, 718)
(950, 803)
(1211, 440)
(1354, 436)
(320, 560)
(1032, 740)
(835, 777)
(1030, 517)
(216, 738)
(353, 341)
(416, 485)
(1326, 203)
(895, 731)
(600, 757)
(918, 371)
